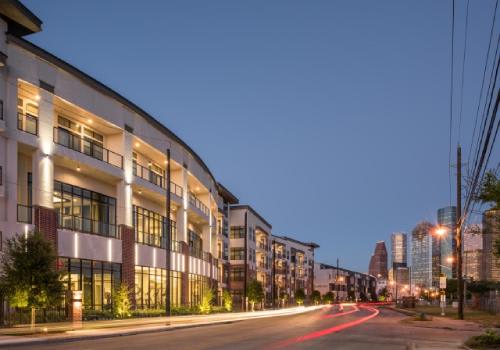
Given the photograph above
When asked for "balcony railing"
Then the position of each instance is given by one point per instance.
(27, 123)
(88, 147)
(156, 179)
(197, 253)
(175, 246)
(80, 224)
(195, 202)
(24, 214)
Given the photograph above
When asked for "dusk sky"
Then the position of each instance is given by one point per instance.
(330, 118)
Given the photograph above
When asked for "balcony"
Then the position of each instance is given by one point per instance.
(24, 214)
(156, 179)
(88, 147)
(27, 123)
(195, 202)
(85, 225)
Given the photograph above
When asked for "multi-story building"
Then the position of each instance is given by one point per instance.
(491, 234)
(108, 184)
(399, 249)
(378, 261)
(294, 265)
(472, 252)
(444, 245)
(250, 252)
(344, 284)
(421, 254)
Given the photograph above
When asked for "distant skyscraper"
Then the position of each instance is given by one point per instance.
(378, 261)
(473, 252)
(421, 254)
(491, 232)
(443, 247)
(399, 250)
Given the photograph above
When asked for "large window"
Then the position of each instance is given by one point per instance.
(237, 253)
(97, 279)
(237, 232)
(195, 244)
(237, 274)
(197, 286)
(150, 227)
(150, 287)
(82, 210)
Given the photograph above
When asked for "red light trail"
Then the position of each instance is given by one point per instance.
(330, 330)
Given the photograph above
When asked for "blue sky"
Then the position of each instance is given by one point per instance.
(330, 118)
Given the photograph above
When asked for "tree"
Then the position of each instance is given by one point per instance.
(207, 301)
(316, 297)
(300, 296)
(284, 297)
(383, 294)
(328, 298)
(490, 190)
(227, 300)
(30, 278)
(121, 301)
(255, 293)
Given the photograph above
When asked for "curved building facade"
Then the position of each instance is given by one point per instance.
(103, 180)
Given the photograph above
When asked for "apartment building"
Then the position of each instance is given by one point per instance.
(343, 283)
(105, 181)
(250, 252)
(293, 266)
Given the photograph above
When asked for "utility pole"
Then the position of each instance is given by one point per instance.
(337, 286)
(458, 236)
(168, 240)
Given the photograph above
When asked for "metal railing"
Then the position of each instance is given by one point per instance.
(27, 123)
(80, 224)
(156, 179)
(25, 213)
(195, 202)
(197, 253)
(86, 146)
(175, 246)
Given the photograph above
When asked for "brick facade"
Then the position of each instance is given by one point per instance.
(45, 220)
(128, 260)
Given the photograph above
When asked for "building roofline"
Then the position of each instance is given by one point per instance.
(106, 90)
(20, 19)
(226, 194)
(344, 269)
(249, 208)
(309, 244)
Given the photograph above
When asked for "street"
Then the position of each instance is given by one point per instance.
(357, 327)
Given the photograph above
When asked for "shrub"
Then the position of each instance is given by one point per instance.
(328, 298)
(316, 297)
(490, 339)
(207, 300)
(300, 296)
(121, 301)
(227, 300)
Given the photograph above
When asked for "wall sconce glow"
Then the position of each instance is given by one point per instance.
(78, 168)
(37, 97)
(25, 231)
(90, 121)
(110, 250)
(137, 144)
(75, 245)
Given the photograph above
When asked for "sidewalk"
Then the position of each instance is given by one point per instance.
(61, 332)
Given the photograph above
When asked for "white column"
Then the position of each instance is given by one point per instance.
(42, 161)
(181, 218)
(124, 187)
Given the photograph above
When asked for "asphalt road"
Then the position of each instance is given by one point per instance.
(357, 327)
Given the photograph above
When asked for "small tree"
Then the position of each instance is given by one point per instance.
(207, 300)
(300, 296)
(316, 297)
(328, 298)
(121, 301)
(284, 298)
(227, 300)
(382, 295)
(255, 293)
(490, 193)
(30, 278)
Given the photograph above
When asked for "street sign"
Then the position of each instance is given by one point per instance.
(442, 282)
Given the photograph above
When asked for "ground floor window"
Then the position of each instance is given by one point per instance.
(96, 279)
(150, 287)
(197, 286)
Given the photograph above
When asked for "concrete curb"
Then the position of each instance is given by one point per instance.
(21, 341)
